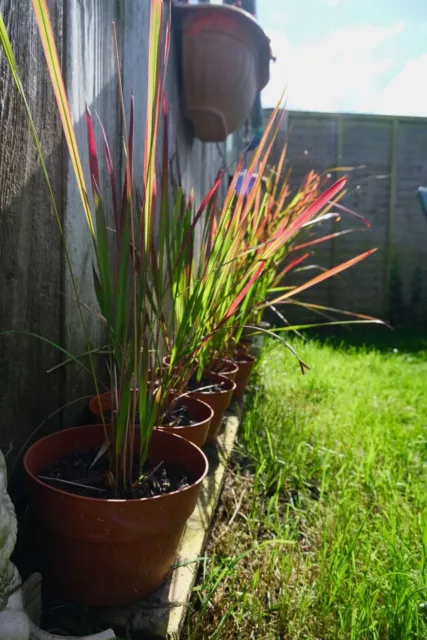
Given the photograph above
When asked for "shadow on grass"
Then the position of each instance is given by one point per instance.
(404, 339)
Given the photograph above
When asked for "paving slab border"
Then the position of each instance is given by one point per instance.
(162, 615)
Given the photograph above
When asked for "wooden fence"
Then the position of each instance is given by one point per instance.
(35, 289)
(388, 161)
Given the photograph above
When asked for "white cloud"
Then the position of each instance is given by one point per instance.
(337, 72)
(406, 93)
(336, 3)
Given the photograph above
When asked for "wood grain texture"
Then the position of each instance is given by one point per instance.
(36, 292)
(90, 75)
(30, 254)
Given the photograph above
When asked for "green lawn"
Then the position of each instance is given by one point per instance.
(322, 530)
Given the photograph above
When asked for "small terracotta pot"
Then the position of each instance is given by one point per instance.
(95, 404)
(108, 552)
(245, 362)
(219, 402)
(199, 410)
(226, 368)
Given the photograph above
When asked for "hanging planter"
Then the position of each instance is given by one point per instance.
(225, 63)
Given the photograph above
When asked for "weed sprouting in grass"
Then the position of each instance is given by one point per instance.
(335, 463)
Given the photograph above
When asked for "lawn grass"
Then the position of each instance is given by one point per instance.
(322, 530)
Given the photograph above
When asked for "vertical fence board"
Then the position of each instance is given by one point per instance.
(30, 253)
(410, 237)
(312, 144)
(389, 247)
(366, 148)
(90, 78)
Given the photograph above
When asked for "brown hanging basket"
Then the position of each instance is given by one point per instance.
(225, 63)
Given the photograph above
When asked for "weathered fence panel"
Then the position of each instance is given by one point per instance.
(36, 292)
(30, 248)
(387, 157)
(91, 79)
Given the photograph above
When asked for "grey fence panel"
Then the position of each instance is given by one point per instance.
(408, 250)
(385, 159)
(30, 246)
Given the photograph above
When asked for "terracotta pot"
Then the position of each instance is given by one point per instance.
(225, 63)
(245, 362)
(103, 400)
(219, 402)
(198, 410)
(108, 552)
(226, 368)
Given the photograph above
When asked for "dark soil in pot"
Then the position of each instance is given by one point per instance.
(226, 368)
(76, 475)
(180, 416)
(188, 418)
(206, 385)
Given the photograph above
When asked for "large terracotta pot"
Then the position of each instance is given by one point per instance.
(225, 63)
(219, 402)
(197, 409)
(108, 552)
(246, 363)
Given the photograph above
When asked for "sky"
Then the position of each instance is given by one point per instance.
(363, 56)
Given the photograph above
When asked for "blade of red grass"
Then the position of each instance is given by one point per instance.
(285, 231)
(110, 169)
(235, 304)
(311, 243)
(93, 156)
(344, 209)
(292, 265)
(323, 276)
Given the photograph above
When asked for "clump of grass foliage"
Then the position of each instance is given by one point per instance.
(322, 531)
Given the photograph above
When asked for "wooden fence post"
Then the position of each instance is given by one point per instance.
(389, 248)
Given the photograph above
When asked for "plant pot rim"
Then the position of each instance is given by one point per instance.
(241, 356)
(240, 14)
(185, 396)
(231, 386)
(156, 433)
(94, 403)
(232, 366)
(249, 21)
